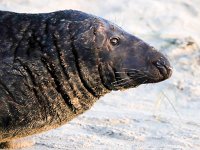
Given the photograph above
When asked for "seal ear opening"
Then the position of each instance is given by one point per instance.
(92, 38)
(86, 39)
(99, 40)
(100, 35)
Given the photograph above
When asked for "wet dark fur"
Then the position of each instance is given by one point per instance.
(54, 66)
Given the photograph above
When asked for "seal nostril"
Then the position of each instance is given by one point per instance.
(164, 69)
(159, 65)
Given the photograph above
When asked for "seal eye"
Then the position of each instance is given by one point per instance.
(114, 41)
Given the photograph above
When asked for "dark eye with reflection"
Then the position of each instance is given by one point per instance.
(114, 41)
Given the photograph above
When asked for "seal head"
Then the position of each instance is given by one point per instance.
(125, 61)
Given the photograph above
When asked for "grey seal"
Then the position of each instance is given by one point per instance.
(55, 66)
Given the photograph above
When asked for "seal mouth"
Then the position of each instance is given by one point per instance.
(129, 78)
(124, 78)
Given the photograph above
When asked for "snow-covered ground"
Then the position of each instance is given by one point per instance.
(161, 116)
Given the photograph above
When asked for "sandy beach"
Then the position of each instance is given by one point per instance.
(163, 116)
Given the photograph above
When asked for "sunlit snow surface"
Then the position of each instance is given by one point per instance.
(159, 116)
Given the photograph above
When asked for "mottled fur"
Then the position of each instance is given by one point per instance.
(54, 66)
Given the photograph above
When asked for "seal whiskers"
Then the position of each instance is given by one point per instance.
(128, 80)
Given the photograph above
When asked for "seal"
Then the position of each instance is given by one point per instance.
(55, 66)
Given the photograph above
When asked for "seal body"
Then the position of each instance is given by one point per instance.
(54, 66)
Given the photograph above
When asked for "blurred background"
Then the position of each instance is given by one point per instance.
(155, 116)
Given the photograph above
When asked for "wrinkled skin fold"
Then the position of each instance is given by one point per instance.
(54, 66)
